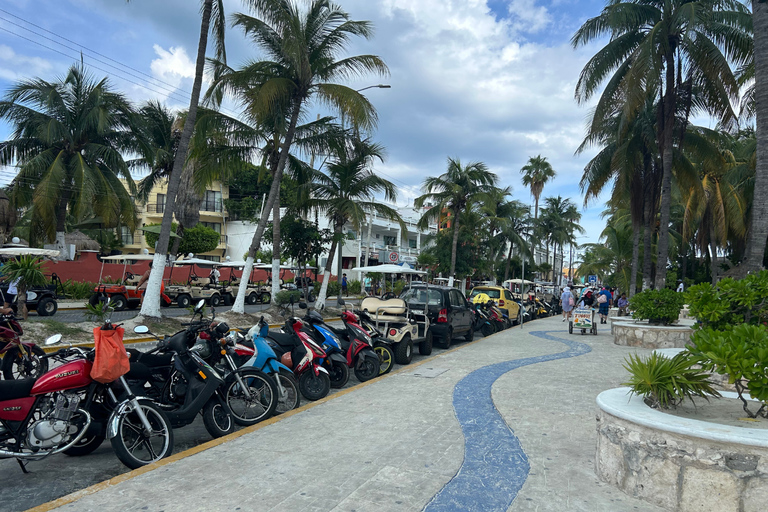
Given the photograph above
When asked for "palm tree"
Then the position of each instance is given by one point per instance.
(344, 191)
(28, 270)
(536, 173)
(666, 50)
(452, 192)
(303, 46)
(67, 141)
(516, 231)
(212, 19)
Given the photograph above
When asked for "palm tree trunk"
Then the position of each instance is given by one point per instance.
(667, 154)
(151, 304)
(758, 230)
(547, 256)
(275, 249)
(509, 261)
(635, 259)
(61, 223)
(648, 217)
(714, 259)
(22, 301)
(188, 202)
(274, 193)
(320, 303)
(455, 246)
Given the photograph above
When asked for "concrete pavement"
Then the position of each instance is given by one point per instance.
(504, 423)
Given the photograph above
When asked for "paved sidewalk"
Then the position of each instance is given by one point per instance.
(396, 444)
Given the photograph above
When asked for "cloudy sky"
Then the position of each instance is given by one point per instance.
(488, 80)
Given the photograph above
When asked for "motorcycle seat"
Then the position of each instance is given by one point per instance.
(150, 360)
(287, 341)
(10, 389)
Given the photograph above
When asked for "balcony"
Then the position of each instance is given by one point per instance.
(155, 208)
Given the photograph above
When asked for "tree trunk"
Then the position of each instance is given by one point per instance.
(275, 249)
(151, 304)
(454, 247)
(509, 261)
(667, 154)
(188, 203)
(546, 247)
(635, 260)
(648, 217)
(713, 259)
(321, 297)
(758, 230)
(274, 193)
(22, 302)
(61, 225)
(367, 244)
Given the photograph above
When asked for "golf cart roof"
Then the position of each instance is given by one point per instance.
(27, 251)
(268, 266)
(135, 257)
(235, 264)
(517, 281)
(388, 269)
(196, 261)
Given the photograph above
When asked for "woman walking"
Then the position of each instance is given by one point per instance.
(604, 302)
(566, 303)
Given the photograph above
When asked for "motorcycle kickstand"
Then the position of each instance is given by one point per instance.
(23, 466)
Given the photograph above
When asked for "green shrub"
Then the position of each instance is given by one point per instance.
(77, 290)
(283, 297)
(741, 352)
(664, 381)
(333, 288)
(354, 287)
(657, 306)
(730, 302)
(99, 312)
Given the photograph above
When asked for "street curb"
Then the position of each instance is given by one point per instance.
(82, 493)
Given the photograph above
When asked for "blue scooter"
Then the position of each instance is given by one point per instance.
(336, 362)
(265, 359)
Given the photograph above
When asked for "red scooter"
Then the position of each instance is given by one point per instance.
(20, 359)
(358, 346)
(65, 407)
(299, 352)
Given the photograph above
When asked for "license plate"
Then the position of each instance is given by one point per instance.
(417, 312)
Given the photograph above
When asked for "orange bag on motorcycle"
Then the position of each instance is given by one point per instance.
(110, 361)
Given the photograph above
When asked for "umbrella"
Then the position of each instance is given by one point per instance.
(156, 229)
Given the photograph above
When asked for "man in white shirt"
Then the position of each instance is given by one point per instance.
(680, 287)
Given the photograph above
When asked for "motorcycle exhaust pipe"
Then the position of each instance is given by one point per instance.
(5, 454)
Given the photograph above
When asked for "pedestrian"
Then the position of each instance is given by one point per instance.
(214, 276)
(144, 278)
(367, 285)
(586, 298)
(604, 302)
(623, 303)
(344, 285)
(10, 295)
(680, 286)
(567, 302)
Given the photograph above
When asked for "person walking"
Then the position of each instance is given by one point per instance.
(604, 302)
(344, 285)
(567, 302)
(367, 285)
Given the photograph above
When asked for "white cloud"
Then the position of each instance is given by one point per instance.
(527, 17)
(14, 66)
(174, 71)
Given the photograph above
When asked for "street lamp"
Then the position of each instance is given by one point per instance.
(377, 86)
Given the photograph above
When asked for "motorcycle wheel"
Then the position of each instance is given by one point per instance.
(339, 374)
(314, 387)
(218, 422)
(386, 357)
(133, 447)
(366, 368)
(16, 367)
(262, 403)
(87, 444)
(292, 398)
(487, 329)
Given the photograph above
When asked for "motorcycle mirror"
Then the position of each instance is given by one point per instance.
(341, 302)
(141, 329)
(52, 340)
(199, 305)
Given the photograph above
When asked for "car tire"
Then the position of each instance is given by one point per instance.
(183, 300)
(470, 336)
(425, 347)
(265, 298)
(47, 306)
(404, 350)
(215, 300)
(447, 339)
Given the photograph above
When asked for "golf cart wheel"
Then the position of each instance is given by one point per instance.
(404, 350)
(47, 307)
(228, 299)
(386, 357)
(215, 300)
(95, 299)
(265, 298)
(570, 327)
(183, 300)
(252, 298)
(425, 347)
(119, 301)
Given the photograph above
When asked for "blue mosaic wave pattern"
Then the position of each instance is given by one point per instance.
(495, 466)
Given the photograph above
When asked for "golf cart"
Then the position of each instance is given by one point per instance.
(125, 294)
(254, 294)
(197, 287)
(400, 324)
(42, 299)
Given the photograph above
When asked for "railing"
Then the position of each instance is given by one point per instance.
(155, 208)
(212, 206)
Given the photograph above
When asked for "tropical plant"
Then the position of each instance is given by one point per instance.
(659, 307)
(536, 173)
(677, 51)
(27, 271)
(98, 312)
(665, 382)
(451, 193)
(196, 240)
(67, 141)
(730, 302)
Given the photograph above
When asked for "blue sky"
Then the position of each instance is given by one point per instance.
(478, 80)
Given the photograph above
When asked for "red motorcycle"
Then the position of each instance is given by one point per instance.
(67, 411)
(299, 352)
(20, 359)
(358, 346)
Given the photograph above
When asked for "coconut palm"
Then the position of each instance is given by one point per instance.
(212, 19)
(28, 271)
(302, 47)
(516, 232)
(452, 193)
(343, 193)
(673, 50)
(536, 173)
(67, 141)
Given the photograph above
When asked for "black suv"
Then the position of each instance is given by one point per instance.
(449, 312)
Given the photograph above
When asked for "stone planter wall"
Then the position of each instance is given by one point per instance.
(677, 463)
(640, 334)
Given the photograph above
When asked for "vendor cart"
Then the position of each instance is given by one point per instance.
(584, 319)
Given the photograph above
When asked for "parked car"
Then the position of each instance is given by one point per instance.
(503, 299)
(447, 309)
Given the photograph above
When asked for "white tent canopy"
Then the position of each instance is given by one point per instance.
(388, 269)
(125, 257)
(25, 251)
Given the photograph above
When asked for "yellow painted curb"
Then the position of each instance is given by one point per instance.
(73, 497)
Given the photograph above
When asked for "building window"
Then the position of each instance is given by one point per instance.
(378, 236)
(216, 226)
(211, 201)
(412, 244)
(126, 235)
(160, 203)
(390, 240)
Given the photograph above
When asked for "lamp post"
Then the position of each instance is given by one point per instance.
(339, 269)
